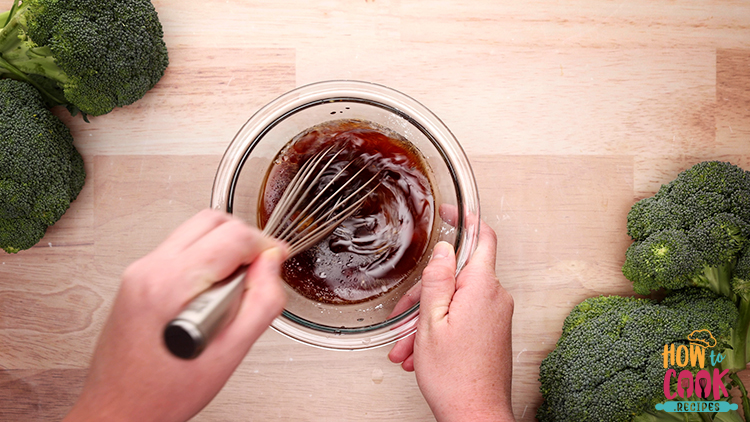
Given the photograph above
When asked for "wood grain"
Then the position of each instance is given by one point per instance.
(39, 395)
(569, 112)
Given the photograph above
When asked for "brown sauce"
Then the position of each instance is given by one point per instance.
(375, 249)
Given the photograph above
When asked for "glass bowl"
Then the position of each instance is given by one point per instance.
(243, 168)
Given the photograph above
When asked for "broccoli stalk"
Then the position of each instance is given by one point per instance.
(737, 353)
(736, 381)
(89, 56)
(20, 59)
(721, 280)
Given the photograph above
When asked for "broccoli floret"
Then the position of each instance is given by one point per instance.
(693, 232)
(608, 363)
(41, 172)
(89, 55)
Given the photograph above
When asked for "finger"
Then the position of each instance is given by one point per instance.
(402, 350)
(408, 364)
(262, 302)
(449, 214)
(193, 229)
(220, 252)
(479, 274)
(486, 253)
(409, 299)
(438, 283)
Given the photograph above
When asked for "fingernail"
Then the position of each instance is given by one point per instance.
(441, 250)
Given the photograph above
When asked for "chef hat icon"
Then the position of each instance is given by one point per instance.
(702, 338)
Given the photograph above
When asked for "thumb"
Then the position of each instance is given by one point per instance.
(438, 282)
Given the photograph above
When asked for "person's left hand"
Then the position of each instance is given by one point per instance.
(132, 375)
(461, 351)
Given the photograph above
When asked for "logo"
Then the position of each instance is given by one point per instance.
(695, 389)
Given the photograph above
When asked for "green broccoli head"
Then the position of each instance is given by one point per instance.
(608, 363)
(41, 172)
(90, 55)
(666, 259)
(692, 231)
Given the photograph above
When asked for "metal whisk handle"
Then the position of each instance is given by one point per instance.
(188, 334)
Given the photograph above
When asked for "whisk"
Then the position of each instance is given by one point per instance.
(304, 215)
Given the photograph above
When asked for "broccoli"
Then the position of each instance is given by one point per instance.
(608, 364)
(695, 231)
(88, 55)
(41, 171)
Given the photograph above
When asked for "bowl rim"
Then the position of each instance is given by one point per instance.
(402, 105)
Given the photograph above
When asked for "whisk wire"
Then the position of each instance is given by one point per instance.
(306, 216)
(324, 228)
(324, 224)
(289, 201)
(345, 213)
(310, 227)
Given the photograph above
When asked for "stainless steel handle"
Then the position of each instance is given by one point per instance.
(189, 333)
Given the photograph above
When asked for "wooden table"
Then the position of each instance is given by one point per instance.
(569, 112)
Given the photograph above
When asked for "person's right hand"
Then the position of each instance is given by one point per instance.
(461, 352)
(133, 377)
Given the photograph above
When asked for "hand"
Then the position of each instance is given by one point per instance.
(132, 375)
(461, 351)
